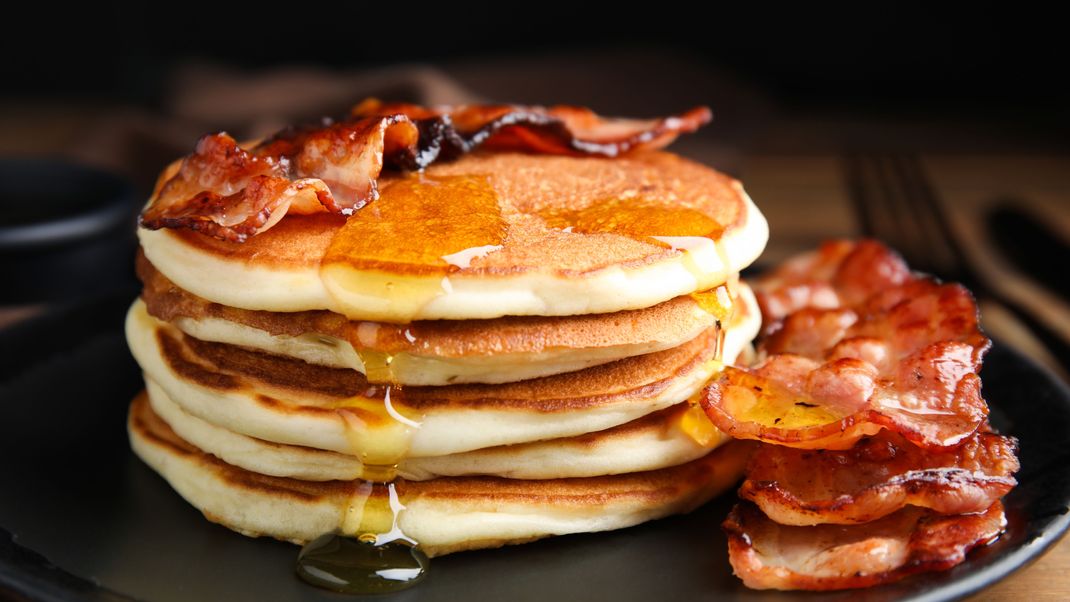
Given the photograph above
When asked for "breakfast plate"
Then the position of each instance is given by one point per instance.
(82, 518)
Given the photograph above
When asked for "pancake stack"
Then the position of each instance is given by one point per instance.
(499, 348)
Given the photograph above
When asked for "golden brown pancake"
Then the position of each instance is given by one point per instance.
(438, 352)
(489, 235)
(668, 437)
(289, 401)
(446, 514)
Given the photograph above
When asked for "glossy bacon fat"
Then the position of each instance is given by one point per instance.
(878, 476)
(766, 555)
(232, 192)
(856, 343)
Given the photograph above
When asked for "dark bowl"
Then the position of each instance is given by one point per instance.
(66, 230)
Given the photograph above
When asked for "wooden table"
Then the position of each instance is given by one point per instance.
(1046, 579)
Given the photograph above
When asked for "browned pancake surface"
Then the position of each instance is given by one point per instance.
(539, 197)
(227, 367)
(651, 487)
(670, 321)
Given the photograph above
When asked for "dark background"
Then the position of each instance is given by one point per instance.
(1003, 61)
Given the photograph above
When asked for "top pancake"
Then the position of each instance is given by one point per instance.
(489, 235)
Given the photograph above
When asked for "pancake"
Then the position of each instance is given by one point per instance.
(445, 515)
(488, 235)
(437, 352)
(292, 402)
(672, 436)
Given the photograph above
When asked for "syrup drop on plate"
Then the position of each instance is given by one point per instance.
(353, 565)
(365, 556)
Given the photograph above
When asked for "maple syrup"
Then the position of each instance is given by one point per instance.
(697, 425)
(716, 301)
(392, 257)
(680, 228)
(369, 554)
(719, 302)
(634, 217)
(718, 345)
(751, 399)
(379, 427)
(378, 365)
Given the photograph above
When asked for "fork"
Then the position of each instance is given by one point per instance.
(897, 204)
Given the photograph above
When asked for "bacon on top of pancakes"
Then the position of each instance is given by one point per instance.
(233, 191)
(877, 459)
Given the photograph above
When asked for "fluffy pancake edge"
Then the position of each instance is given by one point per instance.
(287, 280)
(445, 515)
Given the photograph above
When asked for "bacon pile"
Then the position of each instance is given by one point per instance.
(877, 457)
(232, 192)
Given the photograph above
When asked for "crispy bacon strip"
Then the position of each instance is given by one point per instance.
(233, 192)
(561, 129)
(895, 351)
(878, 476)
(839, 273)
(766, 555)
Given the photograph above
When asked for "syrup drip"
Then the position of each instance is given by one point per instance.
(369, 553)
(365, 556)
(719, 303)
(379, 427)
(716, 301)
(378, 365)
(697, 425)
(718, 348)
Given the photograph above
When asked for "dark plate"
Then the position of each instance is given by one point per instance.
(73, 493)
